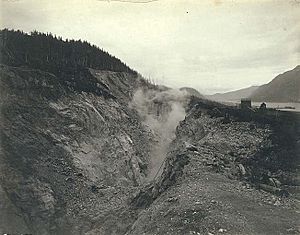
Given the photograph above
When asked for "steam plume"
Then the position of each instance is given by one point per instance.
(161, 112)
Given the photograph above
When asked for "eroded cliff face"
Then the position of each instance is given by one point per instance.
(122, 156)
(67, 156)
(71, 159)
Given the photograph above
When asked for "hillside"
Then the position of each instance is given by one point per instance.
(283, 88)
(233, 95)
(53, 54)
(192, 91)
(62, 149)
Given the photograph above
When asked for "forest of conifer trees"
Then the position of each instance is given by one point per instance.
(53, 54)
(69, 60)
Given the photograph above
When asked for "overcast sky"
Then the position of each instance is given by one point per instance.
(213, 46)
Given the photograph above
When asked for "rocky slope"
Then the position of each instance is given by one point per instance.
(64, 153)
(71, 158)
(133, 158)
(207, 187)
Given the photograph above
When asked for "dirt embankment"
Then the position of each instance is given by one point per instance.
(217, 188)
(71, 158)
(68, 157)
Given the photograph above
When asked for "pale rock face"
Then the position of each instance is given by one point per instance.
(77, 155)
(67, 151)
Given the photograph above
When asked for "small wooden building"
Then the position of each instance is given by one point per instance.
(245, 103)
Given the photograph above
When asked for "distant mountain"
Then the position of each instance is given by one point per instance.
(233, 95)
(192, 91)
(283, 88)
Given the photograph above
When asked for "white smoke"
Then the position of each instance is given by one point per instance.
(161, 112)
